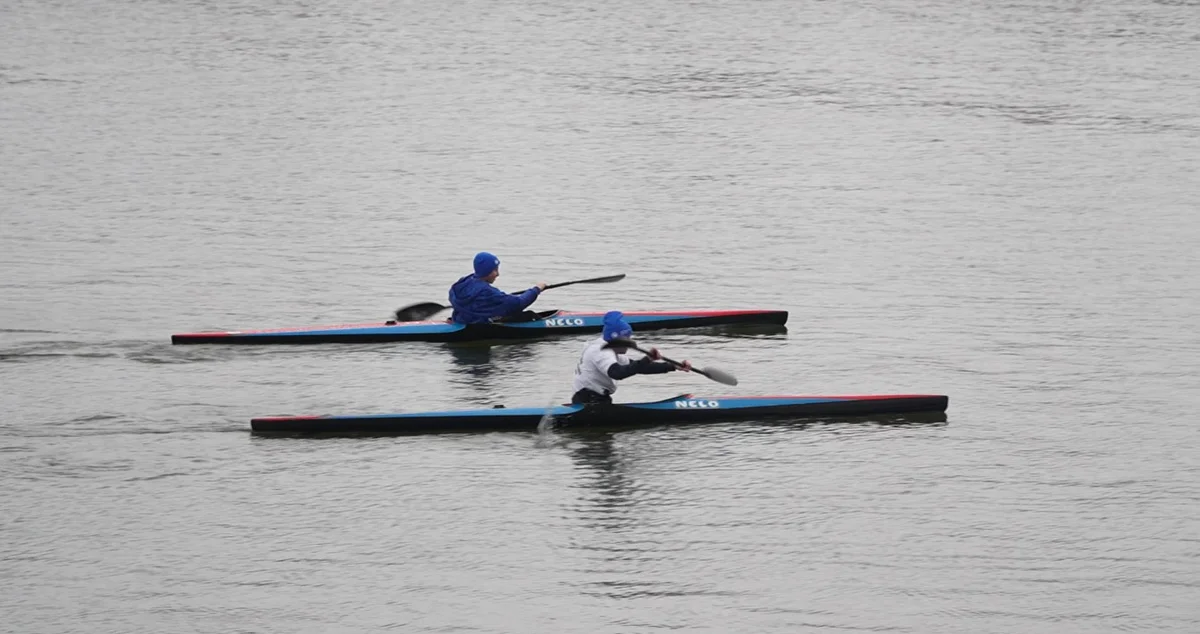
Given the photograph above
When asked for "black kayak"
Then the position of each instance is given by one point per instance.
(680, 410)
(548, 323)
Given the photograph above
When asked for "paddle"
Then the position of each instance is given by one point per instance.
(607, 279)
(425, 310)
(419, 312)
(720, 376)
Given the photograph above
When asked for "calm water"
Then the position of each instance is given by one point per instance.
(995, 202)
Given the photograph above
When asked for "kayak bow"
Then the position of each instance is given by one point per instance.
(680, 410)
(548, 323)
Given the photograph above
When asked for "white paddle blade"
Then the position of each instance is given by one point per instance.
(720, 376)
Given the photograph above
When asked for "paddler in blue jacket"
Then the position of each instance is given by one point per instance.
(476, 301)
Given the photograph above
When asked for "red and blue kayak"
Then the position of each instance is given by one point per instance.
(680, 410)
(548, 323)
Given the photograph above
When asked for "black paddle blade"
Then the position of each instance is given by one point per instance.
(608, 279)
(419, 312)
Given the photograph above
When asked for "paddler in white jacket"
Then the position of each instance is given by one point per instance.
(601, 366)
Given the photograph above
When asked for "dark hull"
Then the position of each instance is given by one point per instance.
(685, 410)
(550, 324)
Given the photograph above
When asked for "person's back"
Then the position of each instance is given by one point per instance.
(476, 301)
(592, 381)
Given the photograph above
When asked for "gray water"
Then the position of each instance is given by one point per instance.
(994, 201)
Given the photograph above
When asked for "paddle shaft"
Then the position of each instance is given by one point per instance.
(671, 361)
(716, 374)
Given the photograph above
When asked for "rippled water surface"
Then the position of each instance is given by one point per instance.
(998, 202)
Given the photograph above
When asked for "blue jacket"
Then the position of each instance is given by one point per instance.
(477, 302)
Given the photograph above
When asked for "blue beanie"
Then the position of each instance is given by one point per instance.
(485, 263)
(615, 326)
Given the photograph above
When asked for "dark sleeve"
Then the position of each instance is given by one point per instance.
(644, 365)
(649, 367)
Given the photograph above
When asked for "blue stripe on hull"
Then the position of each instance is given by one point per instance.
(595, 322)
(732, 403)
(381, 329)
(556, 323)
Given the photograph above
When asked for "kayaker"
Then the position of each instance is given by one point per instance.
(476, 301)
(601, 367)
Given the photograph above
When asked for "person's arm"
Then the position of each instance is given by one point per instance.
(503, 304)
(645, 365)
(528, 297)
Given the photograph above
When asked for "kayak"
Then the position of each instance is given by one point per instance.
(679, 410)
(547, 323)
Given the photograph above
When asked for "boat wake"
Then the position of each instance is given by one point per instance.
(137, 351)
(43, 350)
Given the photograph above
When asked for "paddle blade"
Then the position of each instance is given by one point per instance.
(718, 375)
(419, 312)
(603, 280)
(608, 279)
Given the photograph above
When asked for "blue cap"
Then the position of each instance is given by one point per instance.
(615, 326)
(485, 263)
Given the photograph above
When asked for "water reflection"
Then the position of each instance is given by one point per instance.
(621, 502)
(748, 331)
(612, 490)
(608, 486)
(477, 368)
(617, 540)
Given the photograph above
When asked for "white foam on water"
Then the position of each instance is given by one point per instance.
(545, 428)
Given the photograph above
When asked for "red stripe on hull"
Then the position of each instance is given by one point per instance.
(842, 397)
(681, 313)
